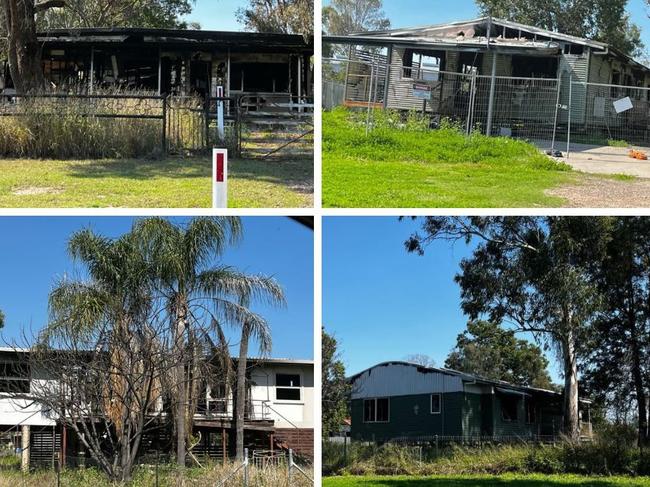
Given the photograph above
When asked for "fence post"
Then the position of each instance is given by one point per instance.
(157, 464)
(568, 135)
(245, 467)
(290, 466)
(492, 88)
(164, 124)
(372, 73)
(470, 107)
(557, 109)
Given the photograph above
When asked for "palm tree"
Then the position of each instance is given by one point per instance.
(194, 284)
(116, 292)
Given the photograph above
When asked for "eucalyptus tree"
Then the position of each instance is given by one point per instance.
(199, 293)
(534, 273)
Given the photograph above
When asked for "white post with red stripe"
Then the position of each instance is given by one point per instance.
(219, 178)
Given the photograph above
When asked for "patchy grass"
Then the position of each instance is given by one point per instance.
(405, 165)
(137, 183)
(487, 481)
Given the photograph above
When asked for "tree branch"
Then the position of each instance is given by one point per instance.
(48, 4)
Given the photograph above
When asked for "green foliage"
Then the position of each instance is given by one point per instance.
(403, 163)
(163, 14)
(279, 16)
(336, 389)
(617, 143)
(351, 16)
(488, 350)
(602, 20)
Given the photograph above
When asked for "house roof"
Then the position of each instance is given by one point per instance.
(432, 29)
(188, 37)
(500, 385)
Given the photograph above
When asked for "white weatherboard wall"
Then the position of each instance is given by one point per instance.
(22, 412)
(286, 414)
(396, 379)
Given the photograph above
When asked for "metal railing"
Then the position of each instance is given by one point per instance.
(223, 408)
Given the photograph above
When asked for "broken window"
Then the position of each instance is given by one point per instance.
(534, 67)
(509, 406)
(420, 66)
(260, 77)
(287, 387)
(530, 411)
(435, 403)
(14, 378)
(376, 410)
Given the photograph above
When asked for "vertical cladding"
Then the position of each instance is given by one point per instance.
(472, 415)
(575, 68)
(410, 417)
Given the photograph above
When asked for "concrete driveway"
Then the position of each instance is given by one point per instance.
(598, 159)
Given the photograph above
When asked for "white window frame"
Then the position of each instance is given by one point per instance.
(439, 411)
(300, 378)
(375, 399)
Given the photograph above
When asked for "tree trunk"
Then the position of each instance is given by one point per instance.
(241, 391)
(23, 46)
(571, 415)
(637, 375)
(181, 386)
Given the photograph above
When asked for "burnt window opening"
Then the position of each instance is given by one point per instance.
(260, 77)
(376, 410)
(509, 407)
(470, 62)
(421, 66)
(534, 67)
(287, 387)
(574, 49)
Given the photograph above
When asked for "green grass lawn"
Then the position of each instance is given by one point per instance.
(168, 183)
(486, 481)
(404, 168)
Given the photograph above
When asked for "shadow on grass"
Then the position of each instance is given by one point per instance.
(490, 482)
(297, 174)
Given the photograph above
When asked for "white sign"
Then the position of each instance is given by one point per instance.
(623, 105)
(422, 91)
(219, 178)
(220, 128)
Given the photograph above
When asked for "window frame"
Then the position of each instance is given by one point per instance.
(439, 411)
(374, 400)
(298, 387)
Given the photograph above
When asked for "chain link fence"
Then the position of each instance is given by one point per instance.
(604, 114)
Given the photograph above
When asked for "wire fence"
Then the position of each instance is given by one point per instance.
(605, 114)
(507, 106)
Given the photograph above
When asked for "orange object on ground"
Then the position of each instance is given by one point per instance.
(637, 154)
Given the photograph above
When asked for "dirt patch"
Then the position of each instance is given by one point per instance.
(35, 190)
(596, 192)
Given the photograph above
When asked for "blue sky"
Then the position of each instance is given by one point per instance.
(412, 13)
(383, 303)
(33, 255)
(216, 14)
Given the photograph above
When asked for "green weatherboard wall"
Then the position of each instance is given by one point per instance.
(463, 414)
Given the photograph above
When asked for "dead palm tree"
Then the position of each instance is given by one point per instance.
(191, 280)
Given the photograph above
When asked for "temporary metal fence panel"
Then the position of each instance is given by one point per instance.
(603, 113)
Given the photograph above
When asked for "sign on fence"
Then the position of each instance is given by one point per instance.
(219, 178)
(623, 105)
(422, 91)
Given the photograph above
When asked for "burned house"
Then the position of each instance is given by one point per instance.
(505, 76)
(401, 401)
(175, 62)
(278, 415)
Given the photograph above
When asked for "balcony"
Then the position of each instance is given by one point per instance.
(223, 409)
